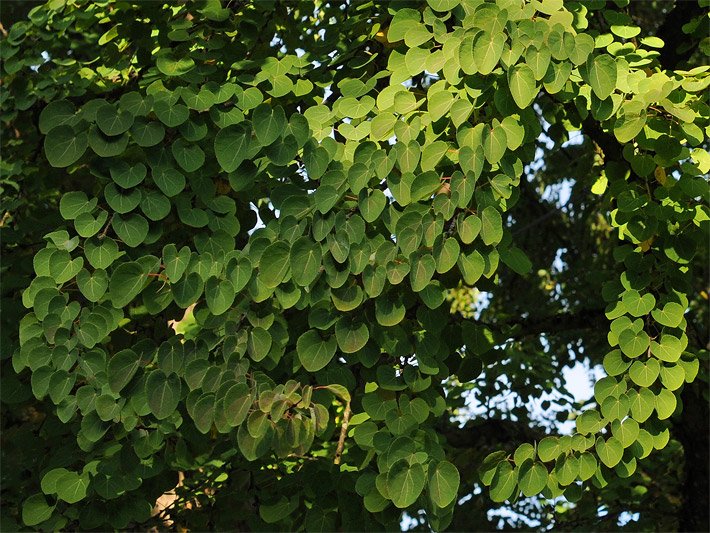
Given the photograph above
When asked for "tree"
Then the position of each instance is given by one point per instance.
(270, 254)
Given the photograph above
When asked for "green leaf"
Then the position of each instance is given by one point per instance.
(446, 254)
(305, 261)
(313, 351)
(163, 393)
(587, 466)
(439, 104)
(524, 452)
(175, 262)
(615, 407)
(533, 478)
(239, 273)
(189, 156)
(578, 47)
(424, 185)
(666, 403)
(589, 422)
(101, 253)
(471, 266)
(57, 113)
(121, 201)
(538, 60)
(615, 364)
(315, 160)
(188, 290)
(601, 75)
(644, 374)
(636, 304)
(609, 451)
(642, 404)
(36, 510)
(401, 23)
(232, 145)
(277, 511)
(514, 132)
(92, 285)
(633, 343)
(74, 204)
(63, 146)
(421, 272)
(523, 86)
(259, 343)
(443, 483)
(121, 369)
(669, 349)
(49, 480)
(405, 483)
(672, 377)
(339, 390)
(219, 295)
(408, 156)
(171, 64)
(566, 469)
(147, 133)
(372, 204)
(504, 482)
(489, 466)
(630, 120)
(269, 123)
(127, 176)
(71, 487)
(169, 180)
(203, 413)
(549, 449)
(487, 50)
(62, 267)
(131, 229)
(113, 121)
(494, 143)
(351, 334)
(492, 226)
(389, 310)
(274, 264)
(105, 146)
(325, 197)
(443, 5)
(237, 401)
(155, 205)
(626, 431)
(127, 281)
(516, 259)
(671, 315)
(88, 226)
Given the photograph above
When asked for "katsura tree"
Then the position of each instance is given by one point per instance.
(321, 265)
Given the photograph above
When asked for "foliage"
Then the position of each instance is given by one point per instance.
(309, 182)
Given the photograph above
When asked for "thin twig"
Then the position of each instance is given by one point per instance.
(343, 434)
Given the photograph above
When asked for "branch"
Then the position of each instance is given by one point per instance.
(343, 434)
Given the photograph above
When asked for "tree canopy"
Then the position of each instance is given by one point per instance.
(322, 265)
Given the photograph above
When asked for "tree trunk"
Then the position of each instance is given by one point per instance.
(692, 431)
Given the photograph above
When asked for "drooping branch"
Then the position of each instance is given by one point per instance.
(520, 327)
(491, 433)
